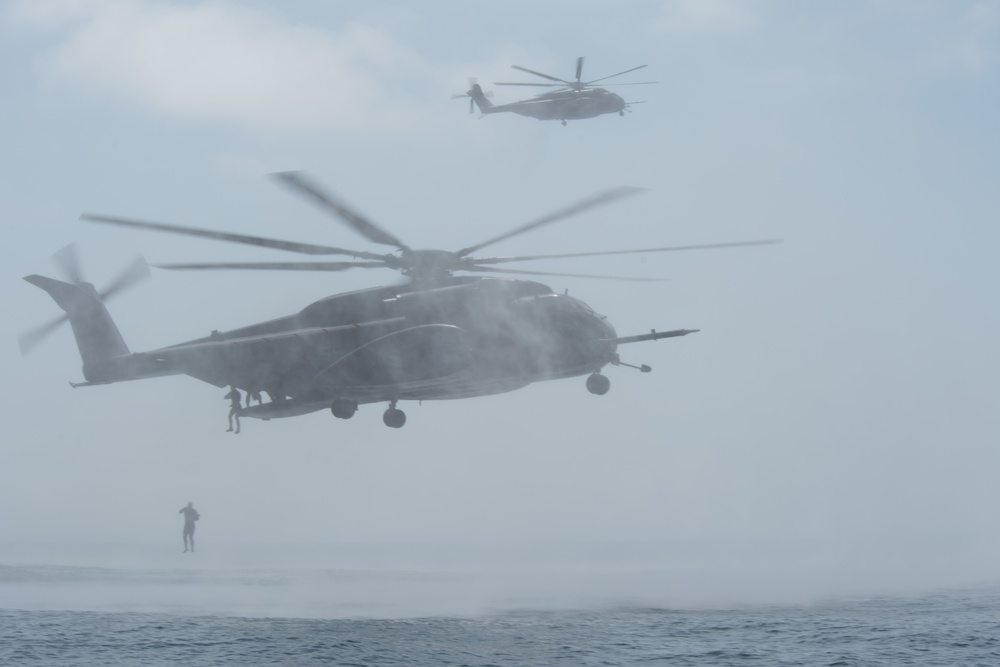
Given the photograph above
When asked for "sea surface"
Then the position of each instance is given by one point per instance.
(207, 612)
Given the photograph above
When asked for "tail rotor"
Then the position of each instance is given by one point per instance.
(68, 261)
(471, 95)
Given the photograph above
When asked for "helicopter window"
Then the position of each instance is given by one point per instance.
(587, 309)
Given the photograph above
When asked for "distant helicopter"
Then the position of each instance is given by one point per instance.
(576, 99)
(438, 336)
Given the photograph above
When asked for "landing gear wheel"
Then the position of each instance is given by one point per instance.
(598, 384)
(344, 408)
(564, 123)
(621, 113)
(394, 418)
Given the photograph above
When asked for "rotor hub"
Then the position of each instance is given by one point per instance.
(429, 263)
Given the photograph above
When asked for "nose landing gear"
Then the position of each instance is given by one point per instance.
(598, 384)
(394, 417)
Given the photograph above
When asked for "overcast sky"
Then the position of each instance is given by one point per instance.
(843, 390)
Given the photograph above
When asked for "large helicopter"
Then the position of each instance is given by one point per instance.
(437, 336)
(574, 100)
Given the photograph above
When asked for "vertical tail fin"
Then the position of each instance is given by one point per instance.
(96, 334)
(477, 95)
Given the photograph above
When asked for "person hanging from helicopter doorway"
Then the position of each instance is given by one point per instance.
(235, 408)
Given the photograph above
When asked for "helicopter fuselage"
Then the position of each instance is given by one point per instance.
(566, 105)
(462, 337)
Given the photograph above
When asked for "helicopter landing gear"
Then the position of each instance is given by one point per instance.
(564, 123)
(394, 417)
(621, 113)
(343, 408)
(598, 384)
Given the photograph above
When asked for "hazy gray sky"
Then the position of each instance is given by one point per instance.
(843, 390)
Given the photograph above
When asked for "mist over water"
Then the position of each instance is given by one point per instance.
(421, 580)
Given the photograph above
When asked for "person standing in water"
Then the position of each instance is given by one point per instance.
(190, 516)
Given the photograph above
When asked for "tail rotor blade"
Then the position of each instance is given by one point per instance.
(29, 340)
(68, 261)
(579, 68)
(134, 273)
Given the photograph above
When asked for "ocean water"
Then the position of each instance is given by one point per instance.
(210, 612)
(943, 629)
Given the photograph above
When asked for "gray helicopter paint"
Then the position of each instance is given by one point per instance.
(473, 337)
(576, 100)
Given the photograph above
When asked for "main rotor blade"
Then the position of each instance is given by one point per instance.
(278, 266)
(296, 181)
(544, 76)
(68, 261)
(133, 274)
(27, 341)
(292, 246)
(484, 269)
(579, 67)
(539, 85)
(611, 76)
(601, 198)
(633, 83)
(706, 246)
